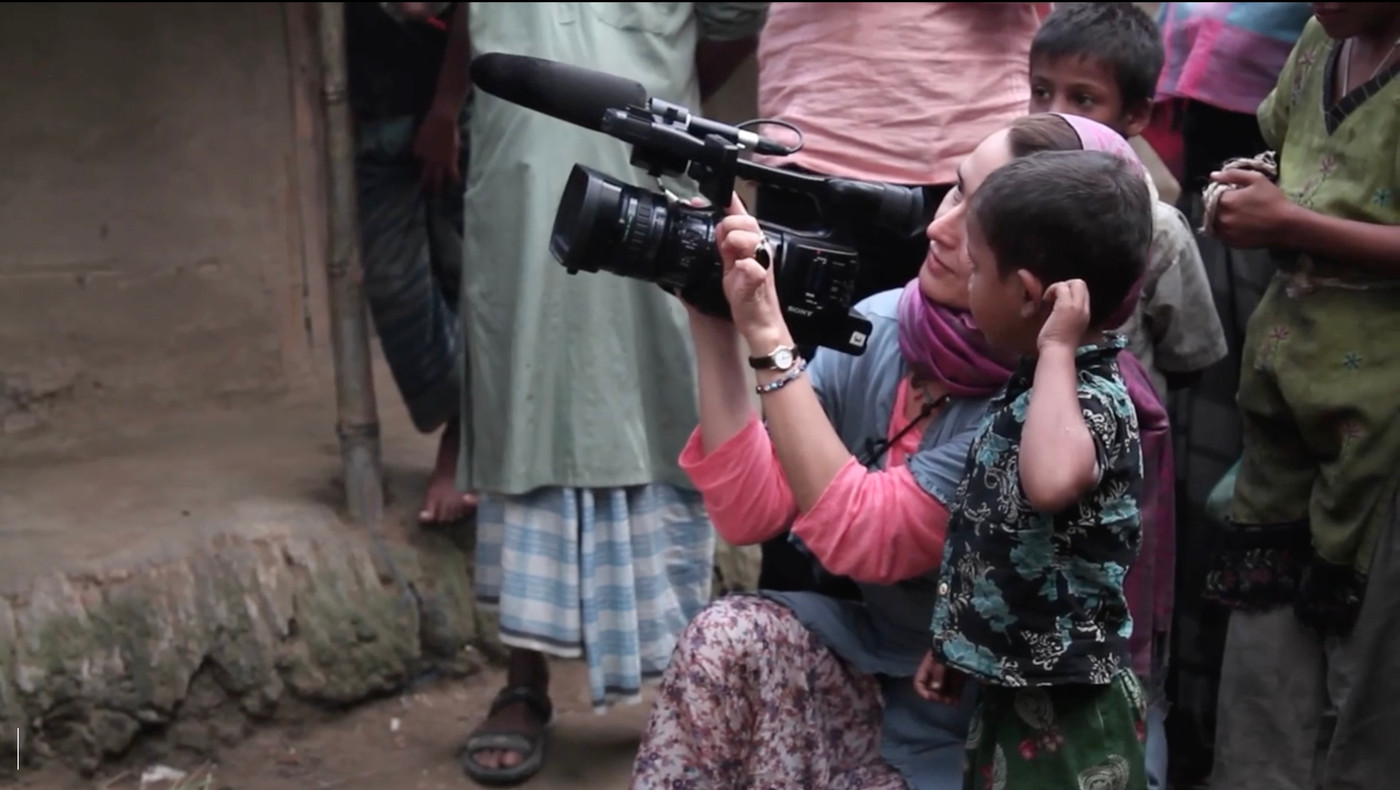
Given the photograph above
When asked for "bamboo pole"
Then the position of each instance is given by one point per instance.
(357, 420)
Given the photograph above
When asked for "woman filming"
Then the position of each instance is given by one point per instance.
(860, 456)
(859, 461)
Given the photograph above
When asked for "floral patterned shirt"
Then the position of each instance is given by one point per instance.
(1035, 599)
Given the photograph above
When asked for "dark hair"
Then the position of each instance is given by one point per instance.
(1120, 35)
(1044, 131)
(1064, 215)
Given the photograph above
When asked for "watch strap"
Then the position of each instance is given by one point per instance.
(770, 360)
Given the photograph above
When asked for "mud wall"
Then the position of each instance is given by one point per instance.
(158, 212)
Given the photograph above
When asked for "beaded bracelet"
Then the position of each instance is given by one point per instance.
(788, 378)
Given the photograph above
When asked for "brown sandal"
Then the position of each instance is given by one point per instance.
(527, 743)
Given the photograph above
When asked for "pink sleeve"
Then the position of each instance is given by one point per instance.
(745, 492)
(875, 527)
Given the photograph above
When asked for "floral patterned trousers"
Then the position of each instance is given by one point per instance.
(752, 700)
(1059, 738)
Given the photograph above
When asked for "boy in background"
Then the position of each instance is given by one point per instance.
(1101, 61)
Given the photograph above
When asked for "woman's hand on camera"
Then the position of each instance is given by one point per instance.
(703, 325)
(748, 286)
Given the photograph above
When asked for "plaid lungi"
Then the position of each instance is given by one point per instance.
(611, 575)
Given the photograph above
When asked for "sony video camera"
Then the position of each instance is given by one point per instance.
(605, 224)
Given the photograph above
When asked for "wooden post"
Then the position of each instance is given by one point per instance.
(357, 419)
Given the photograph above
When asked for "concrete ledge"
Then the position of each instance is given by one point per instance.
(191, 653)
(170, 587)
(198, 649)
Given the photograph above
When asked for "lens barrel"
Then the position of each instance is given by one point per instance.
(603, 224)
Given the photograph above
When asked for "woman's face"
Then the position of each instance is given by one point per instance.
(944, 275)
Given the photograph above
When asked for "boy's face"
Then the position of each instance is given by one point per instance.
(1344, 20)
(1087, 87)
(998, 303)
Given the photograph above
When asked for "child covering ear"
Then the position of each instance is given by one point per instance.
(1046, 521)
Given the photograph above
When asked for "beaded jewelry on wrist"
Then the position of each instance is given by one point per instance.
(787, 378)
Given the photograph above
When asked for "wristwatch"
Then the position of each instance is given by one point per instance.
(780, 359)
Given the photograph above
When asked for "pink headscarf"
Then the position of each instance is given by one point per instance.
(942, 344)
(1094, 136)
(1150, 583)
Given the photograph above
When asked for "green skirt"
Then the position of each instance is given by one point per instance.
(1059, 738)
(1321, 425)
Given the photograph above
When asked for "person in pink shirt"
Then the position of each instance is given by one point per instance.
(894, 92)
(858, 461)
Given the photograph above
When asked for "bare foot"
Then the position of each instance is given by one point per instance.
(443, 503)
(527, 670)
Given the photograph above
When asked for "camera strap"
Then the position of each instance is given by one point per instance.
(875, 449)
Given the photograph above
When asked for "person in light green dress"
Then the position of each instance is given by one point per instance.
(580, 389)
(1306, 569)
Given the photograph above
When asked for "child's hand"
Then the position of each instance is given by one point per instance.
(935, 682)
(1069, 315)
(1254, 214)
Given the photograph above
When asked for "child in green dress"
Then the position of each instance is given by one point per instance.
(1320, 401)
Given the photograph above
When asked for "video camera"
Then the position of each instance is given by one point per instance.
(604, 224)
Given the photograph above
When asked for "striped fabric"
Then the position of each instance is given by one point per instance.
(610, 575)
(411, 251)
(1227, 55)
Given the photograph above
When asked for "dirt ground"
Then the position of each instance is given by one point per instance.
(404, 743)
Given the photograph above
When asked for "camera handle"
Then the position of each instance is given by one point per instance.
(661, 150)
(715, 172)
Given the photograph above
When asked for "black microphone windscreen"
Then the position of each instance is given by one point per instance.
(569, 93)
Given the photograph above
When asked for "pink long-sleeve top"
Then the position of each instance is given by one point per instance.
(877, 527)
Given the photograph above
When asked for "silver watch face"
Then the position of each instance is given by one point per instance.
(782, 359)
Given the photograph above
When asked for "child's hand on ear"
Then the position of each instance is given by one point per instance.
(1069, 315)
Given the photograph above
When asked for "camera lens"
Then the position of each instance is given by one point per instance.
(606, 225)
